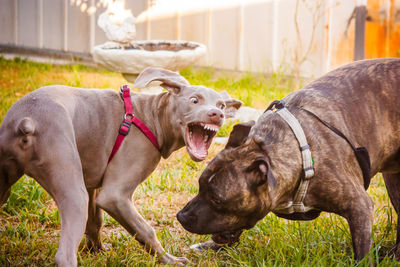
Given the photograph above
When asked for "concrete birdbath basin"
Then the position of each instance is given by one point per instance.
(130, 59)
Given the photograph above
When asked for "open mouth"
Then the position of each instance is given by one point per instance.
(199, 136)
(227, 237)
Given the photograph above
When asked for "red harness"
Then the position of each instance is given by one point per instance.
(130, 118)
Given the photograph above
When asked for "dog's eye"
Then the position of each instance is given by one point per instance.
(222, 106)
(211, 177)
(215, 200)
(194, 100)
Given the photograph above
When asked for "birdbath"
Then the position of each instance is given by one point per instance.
(125, 55)
(130, 59)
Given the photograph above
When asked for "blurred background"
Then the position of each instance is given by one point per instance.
(299, 37)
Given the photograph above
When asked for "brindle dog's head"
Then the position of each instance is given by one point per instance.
(236, 190)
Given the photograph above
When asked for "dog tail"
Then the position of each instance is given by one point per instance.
(25, 126)
(26, 129)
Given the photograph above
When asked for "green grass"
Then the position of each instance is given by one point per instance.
(30, 225)
(255, 90)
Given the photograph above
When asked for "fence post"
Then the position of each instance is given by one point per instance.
(359, 36)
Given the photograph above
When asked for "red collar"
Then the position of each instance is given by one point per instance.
(130, 118)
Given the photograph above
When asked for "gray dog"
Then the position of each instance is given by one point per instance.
(63, 137)
(260, 170)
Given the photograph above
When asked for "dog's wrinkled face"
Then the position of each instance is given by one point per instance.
(203, 113)
(200, 111)
(233, 193)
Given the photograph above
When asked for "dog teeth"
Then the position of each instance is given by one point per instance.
(206, 138)
(211, 128)
(190, 134)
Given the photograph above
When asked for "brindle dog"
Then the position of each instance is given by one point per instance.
(260, 168)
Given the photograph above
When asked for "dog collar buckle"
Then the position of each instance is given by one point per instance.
(309, 173)
(277, 104)
(125, 128)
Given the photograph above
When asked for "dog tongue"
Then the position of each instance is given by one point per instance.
(200, 147)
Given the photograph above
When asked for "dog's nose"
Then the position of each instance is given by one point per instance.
(215, 115)
(181, 217)
(185, 219)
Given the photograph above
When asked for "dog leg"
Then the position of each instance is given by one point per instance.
(7, 179)
(122, 209)
(392, 182)
(5, 190)
(60, 174)
(359, 217)
(4, 195)
(116, 200)
(94, 223)
(73, 213)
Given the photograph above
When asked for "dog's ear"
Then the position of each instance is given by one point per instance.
(170, 80)
(239, 134)
(232, 105)
(267, 175)
(263, 174)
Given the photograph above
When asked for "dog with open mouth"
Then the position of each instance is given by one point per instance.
(315, 153)
(199, 134)
(63, 137)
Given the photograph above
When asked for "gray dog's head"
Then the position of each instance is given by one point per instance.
(198, 112)
(236, 190)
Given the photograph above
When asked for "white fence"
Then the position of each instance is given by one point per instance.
(307, 37)
(65, 25)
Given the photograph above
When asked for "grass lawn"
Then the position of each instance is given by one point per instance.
(30, 225)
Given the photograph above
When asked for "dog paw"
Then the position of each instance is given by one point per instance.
(200, 247)
(169, 259)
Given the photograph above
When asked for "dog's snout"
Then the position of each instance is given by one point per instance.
(186, 216)
(215, 115)
(185, 219)
(181, 217)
